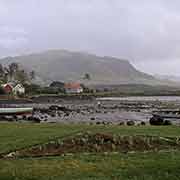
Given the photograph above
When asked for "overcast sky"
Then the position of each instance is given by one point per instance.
(147, 33)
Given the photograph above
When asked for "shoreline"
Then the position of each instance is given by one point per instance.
(89, 111)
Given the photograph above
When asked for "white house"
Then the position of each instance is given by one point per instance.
(18, 89)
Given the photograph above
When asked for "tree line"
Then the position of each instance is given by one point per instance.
(14, 73)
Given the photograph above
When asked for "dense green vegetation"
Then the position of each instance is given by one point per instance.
(157, 165)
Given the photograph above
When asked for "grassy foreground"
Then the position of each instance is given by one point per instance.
(15, 136)
(160, 166)
(149, 166)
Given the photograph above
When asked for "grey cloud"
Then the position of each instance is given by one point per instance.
(10, 43)
(12, 38)
(142, 31)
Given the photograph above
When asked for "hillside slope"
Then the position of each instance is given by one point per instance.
(62, 65)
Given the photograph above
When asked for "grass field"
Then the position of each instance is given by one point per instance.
(138, 165)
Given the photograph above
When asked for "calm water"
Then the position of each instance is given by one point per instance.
(142, 98)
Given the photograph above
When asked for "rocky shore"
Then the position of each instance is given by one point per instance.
(94, 111)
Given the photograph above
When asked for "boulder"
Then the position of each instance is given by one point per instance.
(156, 120)
(167, 123)
(130, 123)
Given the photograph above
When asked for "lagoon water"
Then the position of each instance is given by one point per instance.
(142, 98)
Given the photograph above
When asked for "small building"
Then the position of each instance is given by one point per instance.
(8, 88)
(13, 88)
(73, 88)
(18, 89)
(57, 84)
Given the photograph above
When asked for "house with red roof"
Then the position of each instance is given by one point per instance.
(73, 88)
(13, 88)
(8, 88)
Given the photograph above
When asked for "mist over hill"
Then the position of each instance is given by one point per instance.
(63, 65)
(168, 78)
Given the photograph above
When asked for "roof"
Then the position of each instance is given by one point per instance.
(72, 86)
(7, 84)
(12, 84)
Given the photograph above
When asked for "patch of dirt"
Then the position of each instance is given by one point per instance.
(98, 143)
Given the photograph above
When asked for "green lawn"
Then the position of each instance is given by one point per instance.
(159, 166)
(137, 166)
(18, 135)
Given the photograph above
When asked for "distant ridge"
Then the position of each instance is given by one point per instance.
(63, 65)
